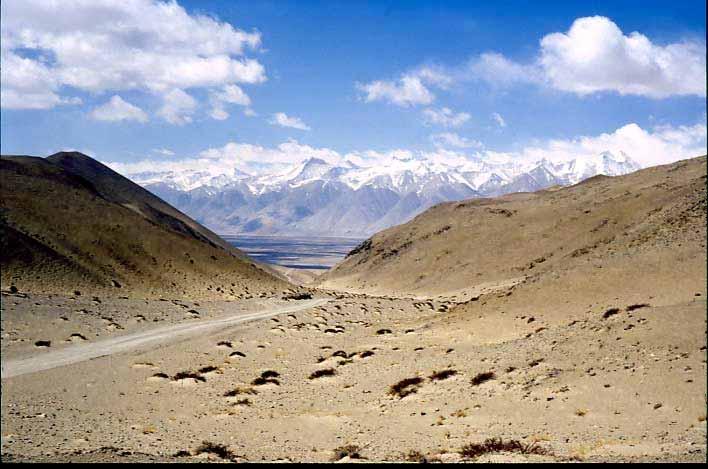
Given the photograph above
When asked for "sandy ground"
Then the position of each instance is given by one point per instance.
(146, 339)
(586, 388)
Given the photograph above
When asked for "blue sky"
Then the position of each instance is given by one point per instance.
(319, 57)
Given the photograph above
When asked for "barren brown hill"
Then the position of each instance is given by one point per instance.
(70, 223)
(643, 233)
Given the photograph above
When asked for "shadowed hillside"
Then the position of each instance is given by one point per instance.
(69, 223)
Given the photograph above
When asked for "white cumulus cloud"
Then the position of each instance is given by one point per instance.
(445, 117)
(283, 120)
(117, 109)
(409, 90)
(177, 107)
(229, 94)
(648, 147)
(594, 55)
(50, 48)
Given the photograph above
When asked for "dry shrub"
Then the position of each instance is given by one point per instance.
(240, 390)
(214, 448)
(497, 445)
(322, 373)
(441, 375)
(188, 374)
(348, 450)
(482, 378)
(405, 387)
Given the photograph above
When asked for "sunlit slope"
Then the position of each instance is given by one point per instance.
(647, 227)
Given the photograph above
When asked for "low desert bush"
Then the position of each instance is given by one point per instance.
(497, 445)
(322, 373)
(405, 387)
(482, 378)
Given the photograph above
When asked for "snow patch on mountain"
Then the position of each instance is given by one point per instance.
(354, 198)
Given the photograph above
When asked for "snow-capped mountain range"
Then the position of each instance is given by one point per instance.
(319, 198)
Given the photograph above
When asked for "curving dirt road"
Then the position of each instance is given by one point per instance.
(144, 339)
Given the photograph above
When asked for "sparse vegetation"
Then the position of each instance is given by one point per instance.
(405, 387)
(298, 296)
(497, 445)
(442, 375)
(187, 375)
(221, 451)
(352, 451)
(240, 390)
(482, 378)
(415, 456)
(267, 377)
(322, 373)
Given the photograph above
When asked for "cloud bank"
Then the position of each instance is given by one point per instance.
(663, 144)
(52, 49)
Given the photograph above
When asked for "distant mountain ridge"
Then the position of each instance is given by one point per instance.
(316, 197)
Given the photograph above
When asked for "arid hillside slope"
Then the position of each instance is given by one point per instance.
(643, 231)
(69, 223)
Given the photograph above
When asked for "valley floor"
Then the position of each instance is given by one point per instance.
(311, 383)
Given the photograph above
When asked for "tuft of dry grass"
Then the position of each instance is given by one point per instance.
(441, 375)
(187, 375)
(221, 451)
(353, 451)
(416, 456)
(260, 381)
(482, 378)
(405, 387)
(322, 373)
(240, 390)
(497, 445)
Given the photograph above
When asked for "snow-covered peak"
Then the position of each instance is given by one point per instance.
(404, 173)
